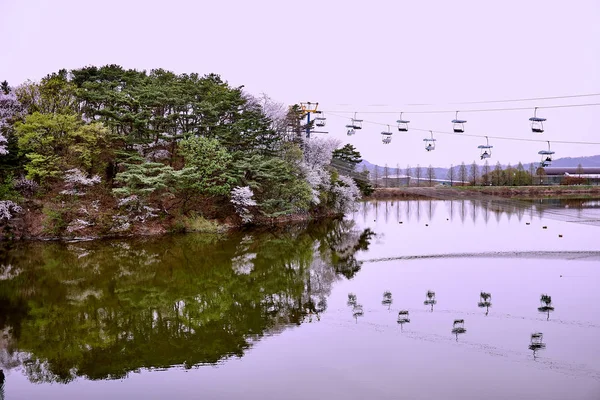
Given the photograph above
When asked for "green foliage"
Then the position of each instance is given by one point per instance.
(348, 154)
(209, 136)
(55, 142)
(55, 222)
(197, 223)
(143, 179)
(277, 185)
(210, 165)
(7, 190)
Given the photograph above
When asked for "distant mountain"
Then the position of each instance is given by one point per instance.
(591, 161)
(442, 173)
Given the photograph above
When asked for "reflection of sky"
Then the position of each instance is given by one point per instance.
(462, 227)
(338, 357)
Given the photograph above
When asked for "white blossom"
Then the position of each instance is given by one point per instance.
(76, 180)
(26, 186)
(77, 225)
(318, 151)
(156, 150)
(243, 264)
(8, 272)
(346, 194)
(3, 145)
(127, 200)
(76, 177)
(5, 209)
(241, 198)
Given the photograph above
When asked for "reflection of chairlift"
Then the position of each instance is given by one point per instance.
(320, 121)
(458, 327)
(402, 124)
(458, 125)
(537, 342)
(486, 149)
(537, 123)
(429, 142)
(546, 156)
(403, 318)
(356, 123)
(386, 136)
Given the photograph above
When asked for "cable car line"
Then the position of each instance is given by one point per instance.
(467, 111)
(483, 101)
(478, 136)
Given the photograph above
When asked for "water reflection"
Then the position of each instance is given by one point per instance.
(387, 299)
(430, 299)
(458, 327)
(546, 305)
(537, 343)
(2, 384)
(403, 318)
(577, 210)
(485, 301)
(103, 309)
(357, 311)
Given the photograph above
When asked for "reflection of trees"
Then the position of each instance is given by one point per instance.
(343, 243)
(546, 305)
(1, 384)
(351, 300)
(485, 301)
(102, 309)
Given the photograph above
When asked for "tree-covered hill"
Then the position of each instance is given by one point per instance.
(107, 150)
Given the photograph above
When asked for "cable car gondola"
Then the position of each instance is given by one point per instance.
(402, 124)
(537, 123)
(386, 136)
(429, 142)
(546, 157)
(486, 149)
(350, 129)
(356, 123)
(320, 121)
(458, 125)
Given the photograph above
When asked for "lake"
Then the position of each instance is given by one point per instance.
(300, 312)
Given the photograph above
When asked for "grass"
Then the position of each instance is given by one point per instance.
(197, 223)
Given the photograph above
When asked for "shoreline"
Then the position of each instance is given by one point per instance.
(161, 227)
(514, 192)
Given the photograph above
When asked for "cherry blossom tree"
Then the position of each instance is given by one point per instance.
(241, 198)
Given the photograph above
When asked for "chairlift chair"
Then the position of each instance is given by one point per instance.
(350, 129)
(429, 142)
(546, 157)
(537, 123)
(458, 125)
(485, 149)
(320, 121)
(402, 124)
(386, 136)
(356, 123)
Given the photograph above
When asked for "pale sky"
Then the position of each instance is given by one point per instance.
(348, 55)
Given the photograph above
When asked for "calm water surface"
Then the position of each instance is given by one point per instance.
(266, 315)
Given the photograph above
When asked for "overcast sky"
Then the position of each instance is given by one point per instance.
(348, 56)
